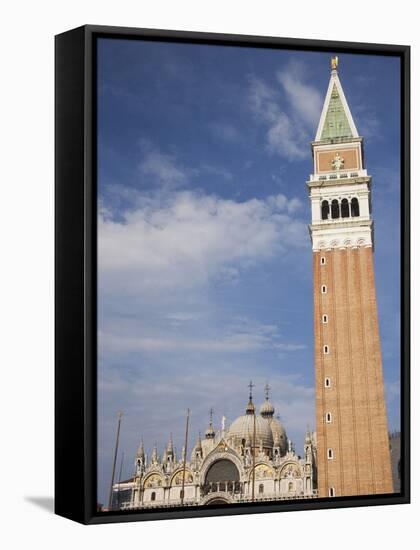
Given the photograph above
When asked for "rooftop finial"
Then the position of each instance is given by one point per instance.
(267, 391)
(334, 63)
(210, 430)
(250, 386)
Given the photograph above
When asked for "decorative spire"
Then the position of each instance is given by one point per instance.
(155, 457)
(267, 391)
(170, 447)
(140, 458)
(197, 451)
(250, 409)
(210, 433)
(140, 450)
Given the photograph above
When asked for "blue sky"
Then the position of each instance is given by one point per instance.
(205, 268)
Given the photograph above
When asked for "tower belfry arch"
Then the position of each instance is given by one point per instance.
(352, 434)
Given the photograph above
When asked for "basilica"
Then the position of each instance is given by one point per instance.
(250, 460)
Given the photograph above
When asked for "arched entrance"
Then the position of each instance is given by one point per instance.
(222, 476)
(222, 470)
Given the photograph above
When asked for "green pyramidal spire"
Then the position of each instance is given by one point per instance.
(336, 120)
(336, 124)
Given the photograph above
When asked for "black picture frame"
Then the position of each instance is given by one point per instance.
(75, 272)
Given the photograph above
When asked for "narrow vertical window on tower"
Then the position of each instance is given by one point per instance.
(325, 210)
(331, 492)
(330, 454)
(328, 418)
(325, 319)
(345, 212)
(335, 209)
(324, 289)
(326, 350)
(323, 260)
(355, 207)
(327, 382)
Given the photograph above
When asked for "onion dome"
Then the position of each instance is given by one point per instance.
(250, 408)
(267, 409)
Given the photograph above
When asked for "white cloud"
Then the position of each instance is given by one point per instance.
(187, 240)
(165, 168)
(304, 98)
(290, 116)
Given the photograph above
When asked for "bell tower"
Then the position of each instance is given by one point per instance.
(352, 433)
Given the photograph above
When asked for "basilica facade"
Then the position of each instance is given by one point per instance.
(250, 460)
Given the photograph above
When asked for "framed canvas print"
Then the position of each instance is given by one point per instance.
(232, 274)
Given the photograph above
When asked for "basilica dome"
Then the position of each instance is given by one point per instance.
(242, 429)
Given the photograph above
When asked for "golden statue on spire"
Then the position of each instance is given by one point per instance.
(334, 63)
